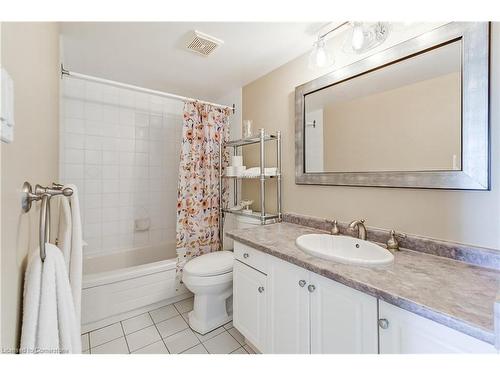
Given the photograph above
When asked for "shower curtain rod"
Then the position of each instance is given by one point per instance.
(65, 72)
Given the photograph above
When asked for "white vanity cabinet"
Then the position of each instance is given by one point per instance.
(403, 332)
(343, 320)
(283, 308)
(250, 304)
(303, 312)
(288, 309)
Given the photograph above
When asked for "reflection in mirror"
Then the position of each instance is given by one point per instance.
(404, 116)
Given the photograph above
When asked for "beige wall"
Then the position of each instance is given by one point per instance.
(30, 53)
(471, 217)
(412, 128)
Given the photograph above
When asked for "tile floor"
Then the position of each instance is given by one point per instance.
(163, 331)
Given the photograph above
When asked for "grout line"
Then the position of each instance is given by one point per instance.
(151, 343)
(191, 348)
(105, 342)
(137, 330)
(205, 348)
(125, 337)
(235, 337)
(186, 320)
(199, 342)
(238, 349)
(97, 329)
(161, 337)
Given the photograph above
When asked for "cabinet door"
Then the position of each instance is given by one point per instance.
(288, 308)
(407, 333)
(249, 304)
(343, 320)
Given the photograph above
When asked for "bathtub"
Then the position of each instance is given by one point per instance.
(125, 283)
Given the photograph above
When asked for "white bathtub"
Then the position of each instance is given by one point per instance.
(125, 283)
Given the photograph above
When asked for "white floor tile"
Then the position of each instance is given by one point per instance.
(209, 335)
(85, 342)
(142, 338)
(155, 348)
(185, 305)
(228, 325)
(198, 349)
(237, 335)
(163, 313)
(249, 349)
(136, 323)
(239, 351)
(221, 344)
(181, 341)
(170, 326)
(105, 334)
(118, 346)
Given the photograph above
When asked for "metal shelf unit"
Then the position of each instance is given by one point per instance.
(265, 218)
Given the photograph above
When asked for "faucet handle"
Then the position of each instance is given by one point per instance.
(392, 242)
(335, 229)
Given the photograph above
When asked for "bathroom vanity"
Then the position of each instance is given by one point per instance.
(286, 301)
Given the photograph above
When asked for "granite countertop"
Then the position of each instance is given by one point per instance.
(453, 293)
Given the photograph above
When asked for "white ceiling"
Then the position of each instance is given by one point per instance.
(152, 55)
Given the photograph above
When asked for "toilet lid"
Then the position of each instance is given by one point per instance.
(211, 264)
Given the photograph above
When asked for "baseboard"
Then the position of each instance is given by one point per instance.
(129, 314)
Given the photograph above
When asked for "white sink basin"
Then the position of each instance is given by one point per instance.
(344, 249)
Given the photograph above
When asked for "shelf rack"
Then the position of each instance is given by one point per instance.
(261, 139)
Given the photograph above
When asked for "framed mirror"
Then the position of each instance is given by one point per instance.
(414, 115)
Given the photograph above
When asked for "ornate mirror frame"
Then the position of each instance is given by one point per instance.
(474, 174)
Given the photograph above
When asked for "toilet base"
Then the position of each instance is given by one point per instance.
(209, 312)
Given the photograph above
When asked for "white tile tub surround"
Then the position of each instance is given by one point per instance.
(121, 150)
(163, 331)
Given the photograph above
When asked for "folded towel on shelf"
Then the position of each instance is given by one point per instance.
(71, 244)
(255, 172)
(49, 319)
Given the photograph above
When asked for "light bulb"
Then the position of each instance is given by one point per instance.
(358, 36)
(319, 56)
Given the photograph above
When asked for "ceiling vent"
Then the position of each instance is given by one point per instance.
(202, 43)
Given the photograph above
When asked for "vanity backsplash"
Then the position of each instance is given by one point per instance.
(479, 256)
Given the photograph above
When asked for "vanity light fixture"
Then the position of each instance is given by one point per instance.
(320, 57)
(366, 36)
(363, 37)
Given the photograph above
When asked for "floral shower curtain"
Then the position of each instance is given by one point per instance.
(198, 189)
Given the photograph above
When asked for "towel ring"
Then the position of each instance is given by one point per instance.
(42, 194)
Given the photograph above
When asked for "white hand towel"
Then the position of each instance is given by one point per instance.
(49, 319)
(71, 243)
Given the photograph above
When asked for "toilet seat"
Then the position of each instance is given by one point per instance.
(207, 281)
(210, 265)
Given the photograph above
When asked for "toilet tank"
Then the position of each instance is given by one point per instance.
(237, 222)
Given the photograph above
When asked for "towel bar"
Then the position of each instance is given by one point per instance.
(42, 194)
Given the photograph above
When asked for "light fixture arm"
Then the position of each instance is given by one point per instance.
(321, 36)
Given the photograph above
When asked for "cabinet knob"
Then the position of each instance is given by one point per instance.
(261, 289)
(311, 288)
(246, 255)
(302, 283)
(383, 323)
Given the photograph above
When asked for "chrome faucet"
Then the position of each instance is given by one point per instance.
(360, 225)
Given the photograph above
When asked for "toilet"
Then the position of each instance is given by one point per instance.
(210, 278)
